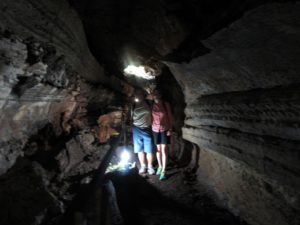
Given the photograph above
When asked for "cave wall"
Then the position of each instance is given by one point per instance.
(47, 145)
(54, 22)
(43, 55)
(243, 112)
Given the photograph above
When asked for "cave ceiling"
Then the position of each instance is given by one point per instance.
(150, 32)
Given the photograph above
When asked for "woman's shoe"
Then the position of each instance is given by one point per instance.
(158, 171)
(162, 176)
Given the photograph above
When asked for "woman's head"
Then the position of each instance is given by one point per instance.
(156, 94)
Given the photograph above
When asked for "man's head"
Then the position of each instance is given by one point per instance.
(139, 95)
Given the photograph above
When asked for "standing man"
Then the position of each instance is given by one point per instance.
(142, 134)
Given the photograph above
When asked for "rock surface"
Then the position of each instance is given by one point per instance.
(52, 22)
(243, 112)
(47, 106)
(257, 51)
(129, 32)
(39, 64)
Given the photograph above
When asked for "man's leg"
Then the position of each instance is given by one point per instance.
(141, 156)
(149, 149)
(142, 159)
(150, 158)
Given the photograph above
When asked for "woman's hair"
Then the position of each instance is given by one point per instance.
(157, 92)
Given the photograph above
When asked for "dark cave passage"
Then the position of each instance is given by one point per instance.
(141, 201)
(126, 197)
(70, 71)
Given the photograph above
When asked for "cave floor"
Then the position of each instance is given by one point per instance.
(178, 200)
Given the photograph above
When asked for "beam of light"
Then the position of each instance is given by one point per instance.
(125, 156)
(138, 71)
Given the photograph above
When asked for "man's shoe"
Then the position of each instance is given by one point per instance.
(151, 170)
(158, 171)
(142, 170)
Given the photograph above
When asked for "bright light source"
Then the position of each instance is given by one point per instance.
(125, 156)
(138, 71)
(136, 100)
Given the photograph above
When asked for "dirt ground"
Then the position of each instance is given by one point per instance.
(178, 200)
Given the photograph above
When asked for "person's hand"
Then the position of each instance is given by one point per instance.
(125, 109)
(169, 132)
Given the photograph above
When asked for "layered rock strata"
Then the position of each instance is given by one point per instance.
(243, 112)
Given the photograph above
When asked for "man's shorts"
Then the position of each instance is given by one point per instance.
(142, 140)
(161, 138)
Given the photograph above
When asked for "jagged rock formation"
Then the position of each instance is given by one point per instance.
(42, 183)
(243, 111)
(53, 22)
(39, 68)
(47, 108)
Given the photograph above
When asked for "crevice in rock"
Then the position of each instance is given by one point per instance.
(23, 84)
(189, 49)
(44, 146)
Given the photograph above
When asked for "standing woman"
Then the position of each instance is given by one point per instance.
(162, 128)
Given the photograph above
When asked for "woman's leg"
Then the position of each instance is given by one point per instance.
(164, 156)
(158, 156)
